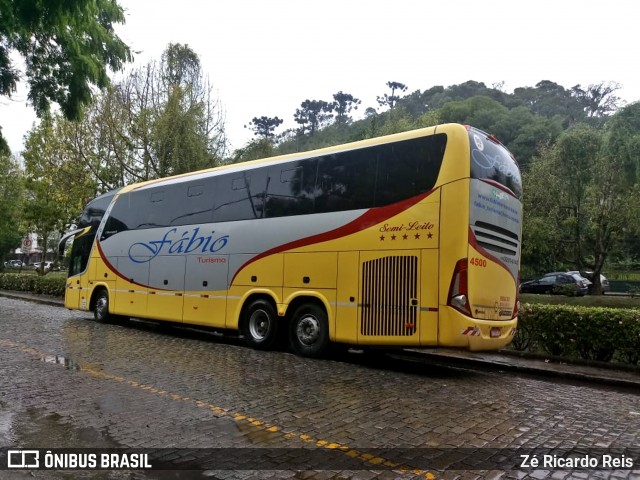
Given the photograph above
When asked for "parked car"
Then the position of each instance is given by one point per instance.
(579, 276)
(604, 282)
(553, 283)
(47, 266)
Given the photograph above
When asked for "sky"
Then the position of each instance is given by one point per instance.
(267, 57)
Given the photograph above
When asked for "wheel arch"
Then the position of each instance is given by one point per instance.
(252, 297)
(94, 294)
(300, 298)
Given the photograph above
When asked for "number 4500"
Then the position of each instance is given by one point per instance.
(478, 262)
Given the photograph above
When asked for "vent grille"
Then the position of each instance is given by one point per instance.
(497, 239)
(389, 296)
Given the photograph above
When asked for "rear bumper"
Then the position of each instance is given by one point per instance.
(458, 330)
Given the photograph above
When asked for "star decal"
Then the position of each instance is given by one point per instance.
(393, 237)
(405, 236)
(429, 235)
(417, 236)
(382, 238)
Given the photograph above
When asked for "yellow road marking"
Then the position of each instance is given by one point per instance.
(236, 416)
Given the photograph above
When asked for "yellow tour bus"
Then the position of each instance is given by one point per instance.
(407, 240)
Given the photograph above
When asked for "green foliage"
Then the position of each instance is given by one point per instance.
(606, 301)
(579, 200)
(390, 101)
(312, 114)
(67, 47)
(159, 120)
(343, 103)
(27, 282)
(264, 126)
(566, 290)
(589, 333)
(11, 205)
(254, 150)
(57, 186)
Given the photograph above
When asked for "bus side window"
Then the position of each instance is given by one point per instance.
(408, 168)
(122, 217)
(240, 195)
(291, 189)
(194, 202)
(345, 181)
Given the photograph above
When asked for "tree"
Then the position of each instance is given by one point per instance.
(391, 100)
(160, 120)
(598, 99)
(578, 197)
(549, 99)
(254, 150)
(11, 201)
(67, 47)
(57, 186)
(343, 103)
(312, 114)
(265, 126)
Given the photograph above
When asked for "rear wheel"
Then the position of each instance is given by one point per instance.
(309, 331)
(260, 325)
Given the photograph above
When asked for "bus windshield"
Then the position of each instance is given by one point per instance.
(491, 161)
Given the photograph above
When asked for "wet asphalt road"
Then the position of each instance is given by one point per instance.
(68, 382)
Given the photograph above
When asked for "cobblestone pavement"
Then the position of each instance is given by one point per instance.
(68, 382)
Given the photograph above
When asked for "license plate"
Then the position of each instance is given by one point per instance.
(495, 332)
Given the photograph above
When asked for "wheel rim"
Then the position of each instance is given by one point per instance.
(101, 306)
(259, 325)
(308, 330)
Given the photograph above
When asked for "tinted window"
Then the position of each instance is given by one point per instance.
(356, 179)
(346, 181)
(409, 168)
(291, 188)
(195, 202)
(240, 195)
(94, 211)
(492, 161)
(80, 252)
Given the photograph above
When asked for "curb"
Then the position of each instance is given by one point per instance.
(41, 299)
(608, 376)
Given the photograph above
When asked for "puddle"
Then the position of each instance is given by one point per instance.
(36, 428)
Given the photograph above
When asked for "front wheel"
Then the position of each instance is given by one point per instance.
(260, 325)
(101, 308)
(309, 334)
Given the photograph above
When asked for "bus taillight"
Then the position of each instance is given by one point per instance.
(458, 291)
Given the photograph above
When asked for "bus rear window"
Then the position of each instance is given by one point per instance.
(492, 161)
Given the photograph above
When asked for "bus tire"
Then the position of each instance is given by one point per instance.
(260, 325)
(309, 331)
(101, 308)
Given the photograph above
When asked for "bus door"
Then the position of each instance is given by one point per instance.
(389, 308)
(72, 294)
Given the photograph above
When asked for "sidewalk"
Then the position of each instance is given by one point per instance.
(603, 373)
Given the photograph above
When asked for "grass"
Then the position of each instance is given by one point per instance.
(612, 301)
